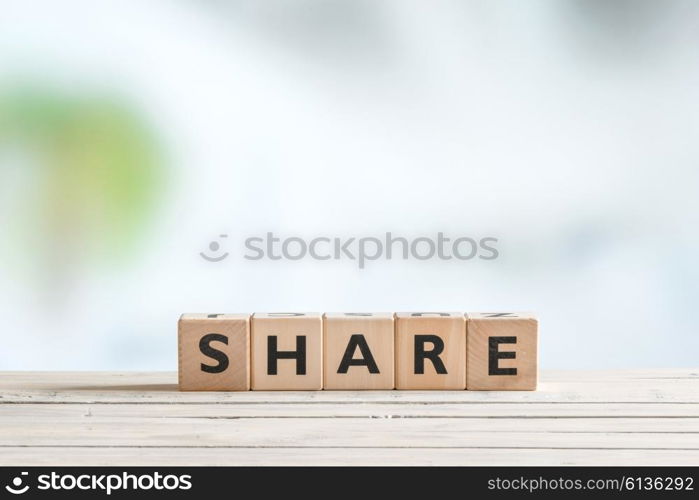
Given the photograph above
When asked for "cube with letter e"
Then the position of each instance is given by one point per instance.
(502, 351)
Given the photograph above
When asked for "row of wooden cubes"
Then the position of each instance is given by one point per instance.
(355, 351)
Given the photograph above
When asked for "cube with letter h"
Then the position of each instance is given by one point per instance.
(214, 352)
(430, 350)
(287, 351)
(502, 351)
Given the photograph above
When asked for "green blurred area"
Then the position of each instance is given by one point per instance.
(99, 170)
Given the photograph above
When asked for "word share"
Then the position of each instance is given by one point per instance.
(487, 351)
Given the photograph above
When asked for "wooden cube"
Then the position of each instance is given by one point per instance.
(430, 350)
(214, 352)
(502, 351)
(358, 351)
(287, 351)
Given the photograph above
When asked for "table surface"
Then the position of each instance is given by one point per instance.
(648, 417)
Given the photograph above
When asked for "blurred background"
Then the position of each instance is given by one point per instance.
(134, 133)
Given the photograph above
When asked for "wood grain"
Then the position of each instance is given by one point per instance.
(287, 330)
(450, 328)
(502, 351)
(642, 417)
(256, 456)
(232, 339)
(376, 331)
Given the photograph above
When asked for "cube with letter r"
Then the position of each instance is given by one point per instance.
(430, 351)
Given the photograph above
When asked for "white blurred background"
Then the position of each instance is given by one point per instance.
(133, 133)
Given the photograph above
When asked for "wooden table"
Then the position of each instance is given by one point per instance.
(595, 418)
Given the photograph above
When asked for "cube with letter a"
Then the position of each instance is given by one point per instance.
(214, 352)
(287, 351)
(358, 351)
(430, 350)
(502, 351)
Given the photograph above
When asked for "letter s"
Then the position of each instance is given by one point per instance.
(44, 483)
(249, 246)
(207, 350)
(494, 251)
(185, 483)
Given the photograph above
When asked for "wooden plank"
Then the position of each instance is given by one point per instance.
(375, 410)
(54, 380)
(148, 390)
(617, 375)
(641, 417)
(678, 425)
(680, 394)
(91, 456)
(328, 432)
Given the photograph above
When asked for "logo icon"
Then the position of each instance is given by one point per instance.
(16, 488)
(214, 247)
